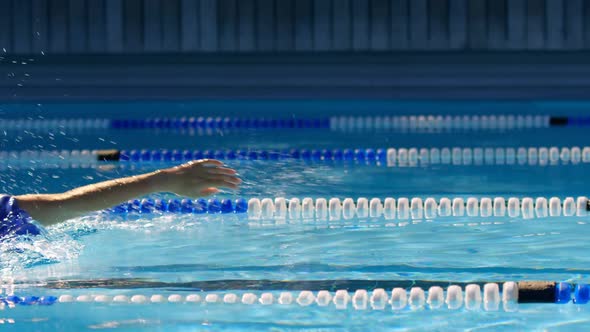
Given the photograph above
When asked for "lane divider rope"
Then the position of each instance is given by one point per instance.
(391, 157)
(428, 122)
(451, 122)
(471, 297)
(334, 208)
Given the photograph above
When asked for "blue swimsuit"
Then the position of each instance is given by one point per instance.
(13, 220)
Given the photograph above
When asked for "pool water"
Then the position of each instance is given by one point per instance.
(218, 254)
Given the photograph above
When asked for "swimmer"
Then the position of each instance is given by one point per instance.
(193, 179)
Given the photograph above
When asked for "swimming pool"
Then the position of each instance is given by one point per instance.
(287, 268)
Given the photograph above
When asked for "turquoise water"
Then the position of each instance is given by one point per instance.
(174, 254)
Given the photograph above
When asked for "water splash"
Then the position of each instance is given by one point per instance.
(23, 252)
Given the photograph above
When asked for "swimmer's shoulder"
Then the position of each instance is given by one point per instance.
(6, 205)
(14, 220)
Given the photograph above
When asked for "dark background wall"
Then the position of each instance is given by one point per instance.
(198, 49)
(187, 26)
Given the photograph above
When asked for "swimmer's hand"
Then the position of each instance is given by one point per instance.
(199, 178)
(193, 179)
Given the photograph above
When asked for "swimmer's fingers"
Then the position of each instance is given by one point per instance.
(198, 165)
(222, 178)
(206, 166)
(226, 182)
(209, 191)
(229, 185)
(221, 170)
(206, 162)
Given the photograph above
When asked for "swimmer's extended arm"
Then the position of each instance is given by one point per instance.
(193, 179)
